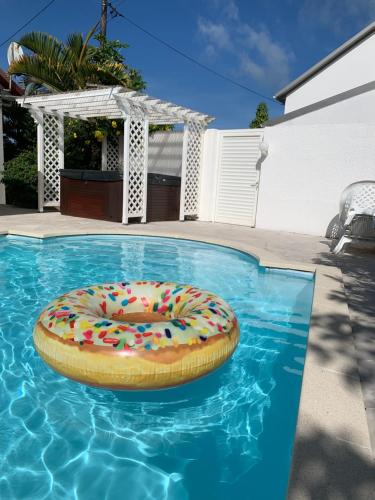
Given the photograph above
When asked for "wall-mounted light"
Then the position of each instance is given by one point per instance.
(263, 148)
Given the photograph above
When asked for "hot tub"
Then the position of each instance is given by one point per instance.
(93, 194)
(96, 194)
(163, 197)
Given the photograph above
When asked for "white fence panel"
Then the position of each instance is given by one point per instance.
(234, 175)
(165, 152)
(237, 177)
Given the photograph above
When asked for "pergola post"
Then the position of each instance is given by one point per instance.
(50, 157)
(38, 117)
(125, 170)
(183, 170)
(104, 163)
(191, 168)
(61, 146)
(145, 169)
(135, 165)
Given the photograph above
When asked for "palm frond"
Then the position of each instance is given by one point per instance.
(54, 78)
(66, 66)
(85, 48)
(74, 45)
(44, 45)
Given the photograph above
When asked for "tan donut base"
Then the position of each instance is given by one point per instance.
(134, 370)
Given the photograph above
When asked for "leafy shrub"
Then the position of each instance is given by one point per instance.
(83, 141)
(19, 130)
(21, 180)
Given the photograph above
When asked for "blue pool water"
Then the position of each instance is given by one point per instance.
(226, 436)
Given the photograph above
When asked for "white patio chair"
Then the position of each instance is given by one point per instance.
(357, 213)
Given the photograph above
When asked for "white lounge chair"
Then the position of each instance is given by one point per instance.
(357, 213)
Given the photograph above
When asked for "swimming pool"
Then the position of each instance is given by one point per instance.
(227, 435)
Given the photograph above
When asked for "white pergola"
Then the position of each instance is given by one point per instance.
(138, 111)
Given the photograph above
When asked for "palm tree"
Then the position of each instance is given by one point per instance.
(60, 66)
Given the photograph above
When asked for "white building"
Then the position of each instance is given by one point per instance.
(324, 142)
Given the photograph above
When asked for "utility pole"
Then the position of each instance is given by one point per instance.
(103, 18)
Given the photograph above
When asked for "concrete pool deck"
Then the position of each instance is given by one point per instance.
(333, 457)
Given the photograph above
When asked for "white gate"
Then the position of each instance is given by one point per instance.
(237, 177)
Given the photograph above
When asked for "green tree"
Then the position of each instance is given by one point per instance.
(83, 141)
(75, 64)
(261, 116)
(110, 60)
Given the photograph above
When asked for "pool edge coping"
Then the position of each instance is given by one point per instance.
(327, 415)
(264, 257)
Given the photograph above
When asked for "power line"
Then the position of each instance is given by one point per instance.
(116, 3)
(113, 10)
(28, 22)
(195, 61)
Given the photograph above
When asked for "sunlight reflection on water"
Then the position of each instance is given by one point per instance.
(204, 440)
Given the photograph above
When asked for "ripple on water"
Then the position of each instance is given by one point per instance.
(208, 439)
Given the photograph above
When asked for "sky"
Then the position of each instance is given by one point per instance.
(261, 44)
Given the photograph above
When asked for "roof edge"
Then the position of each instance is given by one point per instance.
(9, 85)
(328, 101)
(326, 61)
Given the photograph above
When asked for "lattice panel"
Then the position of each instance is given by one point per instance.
(51, 158)
(113, 153)
(193, 164)
(137, 180)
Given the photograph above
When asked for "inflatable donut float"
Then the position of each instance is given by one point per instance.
(137, 335)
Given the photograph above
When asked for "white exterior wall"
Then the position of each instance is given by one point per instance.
(165, 153)
(311, 160)
(351, 70)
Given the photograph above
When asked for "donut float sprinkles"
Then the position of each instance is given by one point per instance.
(136, 335)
